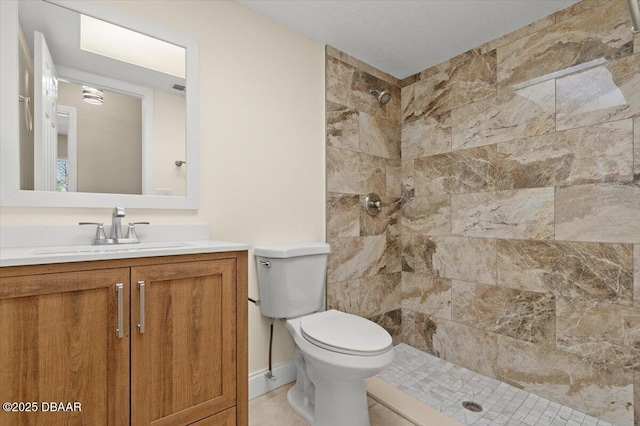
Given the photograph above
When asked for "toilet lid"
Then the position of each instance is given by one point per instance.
(345, 333)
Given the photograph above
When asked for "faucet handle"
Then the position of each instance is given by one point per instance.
(131, 231)
(100, 235)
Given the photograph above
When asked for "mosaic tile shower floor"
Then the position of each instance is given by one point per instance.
(445, 386)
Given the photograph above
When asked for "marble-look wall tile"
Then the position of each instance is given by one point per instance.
(426, 293)
(379, 136)
(343, 215)
(607, 212)
(432, 175)
(604, 332)
(387, 221)
(571, 270)
(525, 213)
(466, 78)
(428, 135)
(598, 33)
(578, 8)
(408, 334)
(424, 328)
(394, 177)
(524, 315)
(468, 170)
(407, 101)
(338, 80)
(473, 170)
(392, 322)
(342, 126)
(349, 86)
(406, 254)
(408, 185)
(636, 276)
(355, 173)
(601, 153)
(335, 53)
(364, 101)
(636, 404)
(368, 296)
(427, 215)
(603, 391)
(467, 259)
(393, 253)
(636, 148)
(513, 115)
(460, 344)
(533, 27)
(417, 253)
(607, 92)
(356, 257)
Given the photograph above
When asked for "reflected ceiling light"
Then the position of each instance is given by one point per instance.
(106, 39)
(92, 96)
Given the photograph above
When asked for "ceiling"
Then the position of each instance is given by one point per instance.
(404, 37)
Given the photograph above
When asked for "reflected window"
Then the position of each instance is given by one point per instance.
(62, 175)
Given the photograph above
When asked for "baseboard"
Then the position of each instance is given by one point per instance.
(284, 373)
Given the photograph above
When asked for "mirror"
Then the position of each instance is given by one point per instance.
(97, 111)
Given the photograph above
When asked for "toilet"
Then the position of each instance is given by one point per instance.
(336, 351)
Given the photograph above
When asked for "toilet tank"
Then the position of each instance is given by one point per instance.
(291, 278)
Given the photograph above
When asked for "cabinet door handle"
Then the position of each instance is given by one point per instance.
(141, 324)
(120, 329)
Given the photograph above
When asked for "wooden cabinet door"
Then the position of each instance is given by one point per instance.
(183, 366)
(226, 418)
(58, 344)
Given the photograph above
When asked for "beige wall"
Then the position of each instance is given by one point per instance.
(108, 141)
(261, 140)
(169, 140)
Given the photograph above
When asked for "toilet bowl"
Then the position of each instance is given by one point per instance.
(336, 352)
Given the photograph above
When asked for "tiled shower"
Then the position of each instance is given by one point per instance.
(509, 238)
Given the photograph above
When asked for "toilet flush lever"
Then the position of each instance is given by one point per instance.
(265, 263)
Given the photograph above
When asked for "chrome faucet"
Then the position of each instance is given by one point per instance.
(116, 227)
(116, 230)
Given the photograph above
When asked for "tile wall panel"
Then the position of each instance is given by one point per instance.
(511, 206)
(513, 115)
(525, 213)
(606, 92)
(600, 153)
(600, 212)
(597, 34)
(592, 387)
(363, 155)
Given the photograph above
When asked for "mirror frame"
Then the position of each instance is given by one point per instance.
(10, 192)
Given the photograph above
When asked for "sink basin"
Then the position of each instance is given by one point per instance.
(116, 248)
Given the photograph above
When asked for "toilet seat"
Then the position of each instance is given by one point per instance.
(345, 333)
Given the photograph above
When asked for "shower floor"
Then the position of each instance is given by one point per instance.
(445, 386)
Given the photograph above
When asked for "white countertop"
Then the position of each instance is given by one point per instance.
(18, 256)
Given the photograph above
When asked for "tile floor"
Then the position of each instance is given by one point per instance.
(444, 386)
(272, 409)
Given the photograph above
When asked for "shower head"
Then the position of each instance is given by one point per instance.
(383, 97)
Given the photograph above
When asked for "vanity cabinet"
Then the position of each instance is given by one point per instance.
(181, 358)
